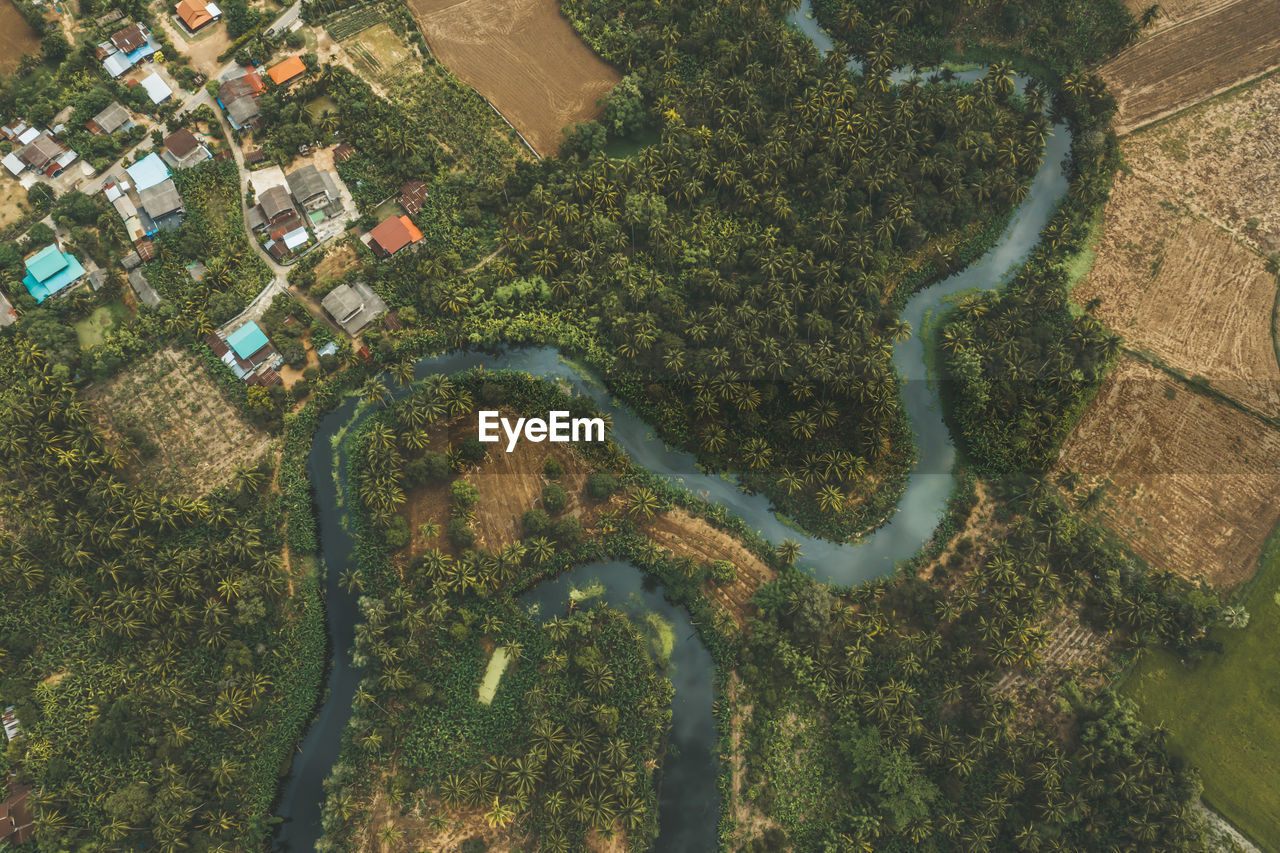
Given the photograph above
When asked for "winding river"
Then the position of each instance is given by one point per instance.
(689, 804)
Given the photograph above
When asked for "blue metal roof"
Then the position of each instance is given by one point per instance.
(49, 271)
(148, 172)
(247, 340)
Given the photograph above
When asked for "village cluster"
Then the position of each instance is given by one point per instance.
(287, 212)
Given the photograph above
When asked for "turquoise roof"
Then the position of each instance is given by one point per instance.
(44, 263)
(49, 271)
(247, 340)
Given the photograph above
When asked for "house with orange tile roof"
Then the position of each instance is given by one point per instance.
(197, 14)
(392, 235)
(290, 69)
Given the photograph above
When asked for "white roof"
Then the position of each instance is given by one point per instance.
(156, 88)
(87, 169)
(28, 135)
(213, 10)
(112, 192)
(68, 157)
(117, 63)
(148, 172)
(13, 164)
(295, 238)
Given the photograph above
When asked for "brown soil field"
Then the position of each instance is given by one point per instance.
(17, 39)
(1193, 59)
(685, 535)
(203, 49)
(524, 57)
(338, 261)
(411, 832)
(201, 438)
(1193, 482)
(1173, 11)
(1220, 159)
(1184, 290)
(509, 484)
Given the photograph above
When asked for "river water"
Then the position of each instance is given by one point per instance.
(689, 802)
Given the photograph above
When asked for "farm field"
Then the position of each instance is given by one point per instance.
(524, 57)
(1193, 59)
(1220, 160)
(1193, 483)
(17, 39)
(192, 438)
(378, 52)
(1187, 292)
(1220, 712)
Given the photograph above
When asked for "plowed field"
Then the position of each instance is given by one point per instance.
(524, 57)
(1195, 482)
(1193, 59)
(1188, 292)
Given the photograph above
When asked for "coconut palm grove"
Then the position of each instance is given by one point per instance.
(838, 561)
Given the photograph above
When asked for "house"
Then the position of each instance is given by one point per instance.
(114, 117)
(142, 288)
(50, 271)
(412, 196)
(157, 90)
(148, 172)
(353, 306)
(286, 71)
(162, 206)
(182, 149)
(312, 189)
(274, 208)
(126, 48)
(245, 350)
(238, 97)
(197, 14)
(392, 235)
(12, 728)
(17, 820)
(45, 155)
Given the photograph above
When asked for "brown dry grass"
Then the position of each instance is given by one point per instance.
(687, 536)
(749, 821)
(203, 49)
(1193, 481)
(202, 438)
(413, 831)
(337, 262)
(17, 39)
(1221, 160)
(524, 57)
(509, 484)
(1188, 292)
(1193, 59)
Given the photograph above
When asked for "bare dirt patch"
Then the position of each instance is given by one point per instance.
(749, 820)
(1072, 650)
(337, 262)
(17, 39)
(1221, 160)
(13, 202)
(524, 57)
(509, 484)
(1193, 59)
(687, 536)
(394, 830)
(198, 438)
(201, 50)
(1192, 481)
(1184, 290)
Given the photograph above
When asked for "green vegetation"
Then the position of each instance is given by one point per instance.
(1062, 34)
(161, 659)
(92, 330)
(1219, 711)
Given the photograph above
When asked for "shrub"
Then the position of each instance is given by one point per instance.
(601, 484)
(397, 533)
(722, 572)
(464, 495)
(554, 498)
(432, 467)
(552, 469)
(535, 522)
(460, 533)
(567, 530)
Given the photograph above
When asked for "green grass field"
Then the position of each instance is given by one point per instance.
(1223, 714)
(92, 330)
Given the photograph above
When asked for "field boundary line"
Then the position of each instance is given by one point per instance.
(1202, 388)
(1160, 119)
